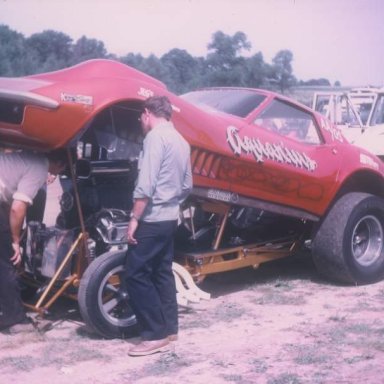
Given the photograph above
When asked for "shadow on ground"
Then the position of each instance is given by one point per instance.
(297, 267)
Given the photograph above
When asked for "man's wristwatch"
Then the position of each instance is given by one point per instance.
(133, 216)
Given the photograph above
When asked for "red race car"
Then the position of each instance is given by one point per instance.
(270, 175)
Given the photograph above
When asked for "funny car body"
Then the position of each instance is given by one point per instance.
(270, 176)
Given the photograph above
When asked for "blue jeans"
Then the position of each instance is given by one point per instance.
(11, 307)
(150, 281)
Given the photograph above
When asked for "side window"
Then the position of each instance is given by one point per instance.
(290, 121)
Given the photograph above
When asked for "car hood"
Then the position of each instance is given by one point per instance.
(48, 110)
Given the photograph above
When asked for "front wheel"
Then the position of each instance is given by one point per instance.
(348, 246)
(103, 298)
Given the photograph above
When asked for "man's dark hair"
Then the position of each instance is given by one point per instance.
(58, 156)
(160, 106)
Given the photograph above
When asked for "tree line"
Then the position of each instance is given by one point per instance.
(224, 64)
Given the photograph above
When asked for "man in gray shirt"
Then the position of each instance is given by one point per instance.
(164, 181)
(22, 174)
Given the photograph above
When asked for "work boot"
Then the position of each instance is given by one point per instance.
(148, 347)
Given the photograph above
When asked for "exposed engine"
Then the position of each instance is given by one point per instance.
(46, 248)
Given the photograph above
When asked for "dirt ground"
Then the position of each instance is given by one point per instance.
(279, 324)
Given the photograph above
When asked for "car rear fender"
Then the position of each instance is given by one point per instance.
(363, 180)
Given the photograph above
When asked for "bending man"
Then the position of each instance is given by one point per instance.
(22, 174)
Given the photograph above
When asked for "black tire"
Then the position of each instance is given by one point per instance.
(348, 245)
(103, 298)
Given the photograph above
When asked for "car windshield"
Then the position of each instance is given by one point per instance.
(238, 102)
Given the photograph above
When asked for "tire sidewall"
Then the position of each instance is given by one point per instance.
(374, 206)
(89, 288)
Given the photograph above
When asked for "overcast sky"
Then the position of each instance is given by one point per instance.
(335, 39)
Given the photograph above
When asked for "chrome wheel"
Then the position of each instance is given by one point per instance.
(367, 240)
(113, 299)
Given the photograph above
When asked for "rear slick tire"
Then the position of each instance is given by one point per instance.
(348, 245)
(103, 298)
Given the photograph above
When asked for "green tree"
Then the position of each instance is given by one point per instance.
(257, 71)
(53, 49)
(315, 82)
(228, 47)
(224, 65)
(182, 70)
(282, 70)
(87, 49)
(15, 59)
(152, 66)
(133, 60)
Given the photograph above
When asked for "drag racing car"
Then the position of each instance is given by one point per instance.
(270, 176)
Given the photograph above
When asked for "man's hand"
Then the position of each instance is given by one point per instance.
(132, 226)
(16, 220)
(16, 258)
(137, 212)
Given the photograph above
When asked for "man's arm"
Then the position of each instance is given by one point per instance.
(16, 219)
(187, 183)
(136, 213)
